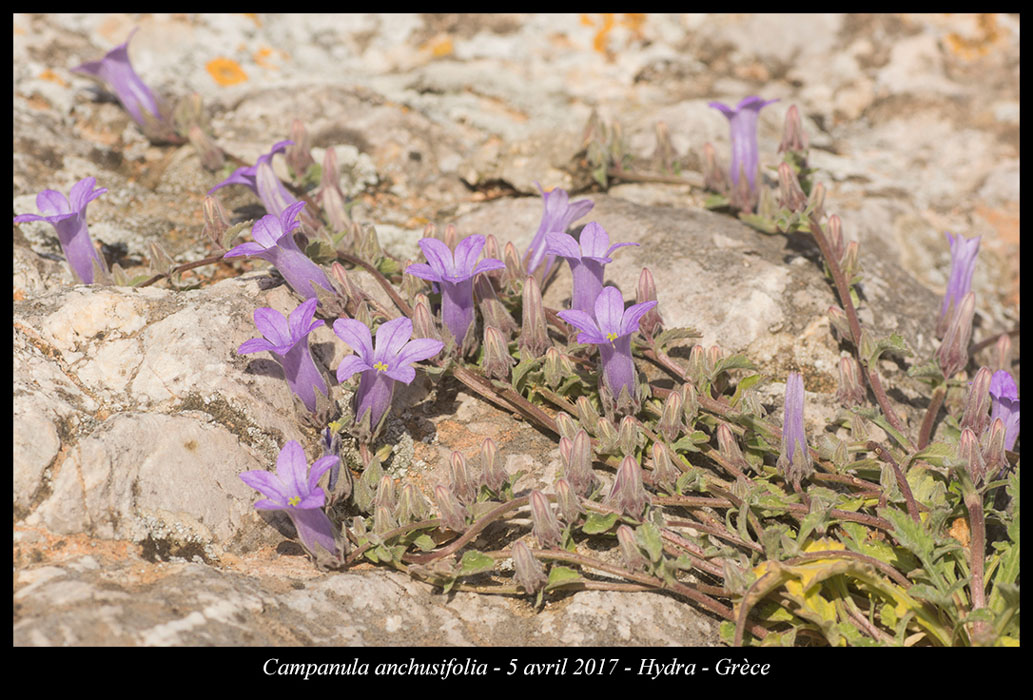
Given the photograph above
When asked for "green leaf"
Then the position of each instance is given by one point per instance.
(674, 334)
(561, 575)
(520, 371)
(731, 362)
(425, 543)
(716, 201)
(933, 453)
(762, 224)
(597, 523)
(744, 384)
(873, 348)
(474, 562)
(648, 537)
(321, 252)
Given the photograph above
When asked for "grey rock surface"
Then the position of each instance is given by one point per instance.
(133, 415)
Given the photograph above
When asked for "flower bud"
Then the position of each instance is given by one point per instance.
(299, 154)
(628, 435)
(977, 405)
(632, 555)
(790, 195)
(412, 506)
(816, 202)
(715, 179)
(534, 335)
(567, 501)
(953, 353)
(330, 196)
(528, 572)
(664, 155)
(849, 262)
(556, 368)
(546, 525)
(367, 246)
(450, 237)
(690, 404)
(728, 447)
(423, 325)
(491, 251)
(627, 492)
(971, 455)
(577, 465)
(1002, 353)
(795, 459)
(587, 415)
(851, 387)
(216, 222)
(606, 436)
(670, 424)
(840, 323)
(386, 494)
(565, 425)
(463, 485)
(514, 273)
(665, 473)
(383, 519)
(451, 511)
(698, 369)
(994, 452)
(837, 245)
(212, 158)
(793, 136)
(497, 360)
(650, 323)
(492, 473)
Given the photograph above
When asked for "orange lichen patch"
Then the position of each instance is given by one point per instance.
(19, 295)
(50, 548)
(53, 77)
(439, 46)
(226, 71)
(988, 34)
(959, 531)
(262, 56)
(253, 16)
(599, 41)
(634, 21)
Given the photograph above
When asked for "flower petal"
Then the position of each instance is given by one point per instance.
(467, 252)
(83, 193)
(488, 265)
(266, 483)
(245, 249)
(609, 309)
(418, 349)
(401, 373)
(256, 345)
(439, 257)
(292, 468)
(634, 313)
(301, 322)
(594, 240)
(349, 366)
(267, 231)
(563, 245)
(273, 326)
(391, 338)
(586, 324)
(51, 202)
(356, 334)
(423, 271)
(319, 467)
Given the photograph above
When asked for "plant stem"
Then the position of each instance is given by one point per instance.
(912, 507)
(930, 416)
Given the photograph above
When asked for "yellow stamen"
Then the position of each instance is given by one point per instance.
(611, 337)
(294, 500)
(380, 366)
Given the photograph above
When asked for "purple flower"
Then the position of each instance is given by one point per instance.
(293, 490)
(743, 122)
(275, 244)
(455, 275)
(559, 214)
(381, 366)
(1004, 404)
(611, 330)
(288, 340)
(586, 257)
(68, 217)
(963, 264)
(116, 70)
(261, 179)
(795, 459)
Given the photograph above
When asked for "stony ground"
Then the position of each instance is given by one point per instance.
(133, 414)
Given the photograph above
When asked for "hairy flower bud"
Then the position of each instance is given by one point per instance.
(212, 158)
(851, 387)
(971, 455)
(497, 360)
(665, 473)
(556, 368)
(849, 262)
(299, 154)
(546, 526)
(422, 320)
(216, 221)
(651, 323)
(977, 405)
(492, 473)
(462, 483)
(793, 136)
(565, 425)
(728, 446)
(994, 455)
(816, 202)
(577, 465)
(587, 415)
(629, 435)
(627, 492)
(715, 178)
(671, 424)
(953, 353)
(514, 272)
(492, 250)
(567, 501)
(630, 551)
(528, 572)
(330, 196)
(1002, 353)
(790, 194)
(834, 234)
(368, 245)
(386, 496)
(451, 511)
(534, 335)
(412, 506)
(450, 236)
(690, 403)
(383, 519)
(840, 323)
(699, 368)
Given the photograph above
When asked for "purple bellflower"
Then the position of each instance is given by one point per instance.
(455, 274)
(381, 366)
(1004, 404)
(274, 242)
(68, 217)
(293, 490)
(963, 264)
(287, 338)
(586, 257)
(743, 122)
(117, 72)
(559, 214)
(611, 330)
(795, 459)
(261, 179)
